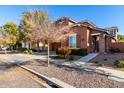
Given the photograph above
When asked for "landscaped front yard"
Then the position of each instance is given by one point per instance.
(74, 77)
(107, 60)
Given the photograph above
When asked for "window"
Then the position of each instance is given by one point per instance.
(112, 33)
(72, 41)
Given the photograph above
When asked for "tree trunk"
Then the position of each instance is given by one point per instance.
(11, 48)
(29, 45)
(5, 51)
(43, 47)
(38, 47)
(48, 54)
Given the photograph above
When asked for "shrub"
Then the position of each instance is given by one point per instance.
(71, 51)
(28, 51)
(78, 51)
(65, 51)
(34, 50)
(114, 50)
(21, 49)
(119, 63)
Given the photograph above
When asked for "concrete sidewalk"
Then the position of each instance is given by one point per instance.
(88, 57)
(113, 72)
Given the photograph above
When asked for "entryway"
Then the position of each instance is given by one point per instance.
(98, 43)
(95, 42)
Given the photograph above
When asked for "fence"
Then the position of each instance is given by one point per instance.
(119, 45)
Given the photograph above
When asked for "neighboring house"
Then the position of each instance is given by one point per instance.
(31, 46)
(87, 35)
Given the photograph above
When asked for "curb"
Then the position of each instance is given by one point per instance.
(55, 83)
(116, 78)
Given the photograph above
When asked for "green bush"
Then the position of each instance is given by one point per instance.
(21, 49)
(34, 50)
(78, 51)
(114, 50)
(71, 51)
(28, 51)
(119, 63)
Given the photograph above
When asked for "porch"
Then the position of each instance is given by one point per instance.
(98, 43)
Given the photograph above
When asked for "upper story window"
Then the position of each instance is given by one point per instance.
(73, 41)
(112, 33)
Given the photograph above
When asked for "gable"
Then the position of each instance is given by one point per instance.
(88, 24)
(65, 21)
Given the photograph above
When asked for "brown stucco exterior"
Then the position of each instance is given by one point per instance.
(88, 36)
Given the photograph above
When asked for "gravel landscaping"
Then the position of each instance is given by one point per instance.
(11, 78)
(73, 77)
(108, 60)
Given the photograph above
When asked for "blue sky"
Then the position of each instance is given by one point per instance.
(102, 16)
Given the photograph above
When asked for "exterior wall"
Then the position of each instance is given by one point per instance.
(90, 42)
(55, 46)
(119, 45)
(102, 43)
(114, 44)
(25, 45)
(109, 43)
(82, 37)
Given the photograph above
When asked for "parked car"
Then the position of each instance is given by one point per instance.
(4, 48)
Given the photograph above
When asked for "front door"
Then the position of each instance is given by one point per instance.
(95, 43)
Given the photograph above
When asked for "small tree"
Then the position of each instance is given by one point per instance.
(29, 26)
(52, 33)
(120, 38)
(4, 39)
(41, 28)
(11, 32)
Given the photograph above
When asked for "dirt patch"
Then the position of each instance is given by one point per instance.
(108, 60)
(73, 77)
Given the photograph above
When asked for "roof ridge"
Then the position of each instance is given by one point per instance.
(67, 18)
(88, 22)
